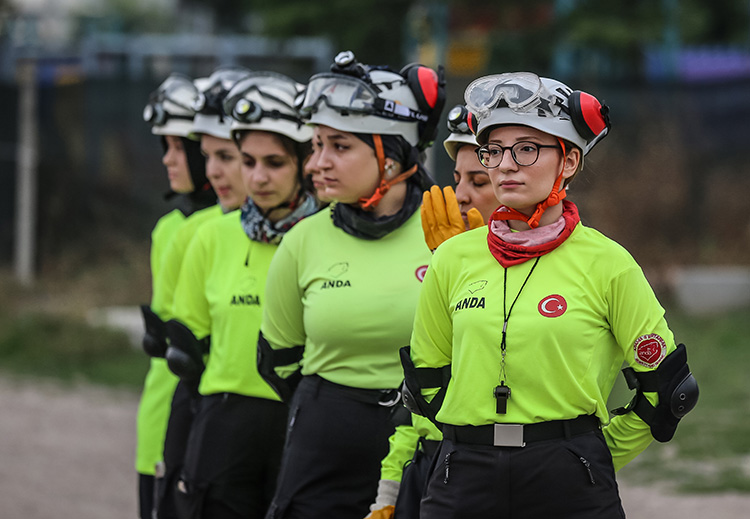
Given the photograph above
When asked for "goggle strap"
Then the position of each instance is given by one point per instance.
(273, 114)
(166, 117)
(390, 108)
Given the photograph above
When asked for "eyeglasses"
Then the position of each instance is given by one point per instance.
(524, 153)
(521, 92)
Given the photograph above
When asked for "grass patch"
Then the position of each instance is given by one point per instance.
(710, 451)
(64, 348)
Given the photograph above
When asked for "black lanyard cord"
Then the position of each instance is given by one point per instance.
(506, 316)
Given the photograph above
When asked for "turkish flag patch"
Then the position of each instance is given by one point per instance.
(649, 350)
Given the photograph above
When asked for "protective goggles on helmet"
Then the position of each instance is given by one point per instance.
(519, 91)
(174, 99)
(211, 98)
(274, 87)
(347, 94)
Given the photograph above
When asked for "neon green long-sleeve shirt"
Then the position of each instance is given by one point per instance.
(585, 309)
(220, 292)
(350, 301)
(169, 240)
(403, 443)
(158, 387)
(169, 270)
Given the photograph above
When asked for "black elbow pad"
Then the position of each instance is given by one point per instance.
(155, 338)
(677, 389)
(269, 359)
(185, 352)
(416, 379)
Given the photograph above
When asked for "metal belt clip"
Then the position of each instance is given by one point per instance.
(390, 398)
(508, 435)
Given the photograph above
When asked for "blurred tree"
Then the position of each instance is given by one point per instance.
(229, 15)
(623, 30)
(372, 29)
(123, 16)
(715, 22)
(626, 25)
(620, 29)
(522, 35)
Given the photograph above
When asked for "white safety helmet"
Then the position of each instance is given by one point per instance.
(170, 108)
(460, 122)
(545, 104)
(210, 118)
(360, 99)
(267, 101)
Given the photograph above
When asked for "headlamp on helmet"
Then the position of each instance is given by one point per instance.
(461, 120)
(462, 124)
(267, 101)
(218, 85)
(210, 118)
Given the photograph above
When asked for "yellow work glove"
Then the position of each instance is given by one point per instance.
(441, 217)
(385, 501)
(384, 513)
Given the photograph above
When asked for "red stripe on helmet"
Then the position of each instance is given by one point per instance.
(428, 82)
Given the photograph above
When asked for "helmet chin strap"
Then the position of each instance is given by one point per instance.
(290, 203)
(555, 197)
(369, 204)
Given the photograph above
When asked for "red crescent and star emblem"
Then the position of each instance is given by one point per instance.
(649, 350)
(553, 306)
(420, 272)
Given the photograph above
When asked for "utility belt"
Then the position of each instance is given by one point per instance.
(518, 435)
(224, 396)
(381, 397)
(227, 396)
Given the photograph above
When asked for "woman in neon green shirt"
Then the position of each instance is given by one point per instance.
(237, 435)
(222, 161)
(170, 114)
(444, 214)
(533, 316)
(344, 282)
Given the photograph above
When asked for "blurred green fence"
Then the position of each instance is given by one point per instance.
(669, 183)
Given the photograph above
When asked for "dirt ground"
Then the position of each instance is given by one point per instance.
(67, 453)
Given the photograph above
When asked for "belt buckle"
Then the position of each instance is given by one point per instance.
(508, 435)
(394, 396)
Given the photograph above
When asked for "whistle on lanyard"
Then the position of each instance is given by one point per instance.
(502, 394)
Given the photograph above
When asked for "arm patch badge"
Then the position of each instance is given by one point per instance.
(649, 350)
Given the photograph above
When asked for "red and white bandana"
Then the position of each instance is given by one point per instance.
(649, 350)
